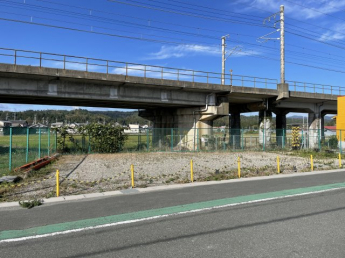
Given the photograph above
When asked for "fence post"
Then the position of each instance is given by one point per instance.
(191, 171)
(27, 145)
(57, 183)
(89, 148)
(263, 139)
(172, 139)
(341, 149)
(339, 160)
(319, 138)
(48, 131)
(39, 142)
(239, 167)
(147, 139)
(10, 153)
(55, 140)
(242, 139)
(283, 137)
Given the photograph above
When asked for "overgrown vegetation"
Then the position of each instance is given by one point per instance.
(102, 138)
(30, 204)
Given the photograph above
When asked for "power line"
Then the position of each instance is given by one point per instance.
(188, 14)
(315, 10)
(100, 33)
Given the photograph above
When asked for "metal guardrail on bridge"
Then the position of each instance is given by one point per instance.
(52, 60)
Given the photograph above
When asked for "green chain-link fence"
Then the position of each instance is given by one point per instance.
(19, 146)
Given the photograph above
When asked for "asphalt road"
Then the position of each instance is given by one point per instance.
(302, 226)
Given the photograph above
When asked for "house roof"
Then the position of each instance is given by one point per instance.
(333, 127)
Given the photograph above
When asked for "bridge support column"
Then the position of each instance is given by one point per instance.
(314, 130)
(265, 122)
(235, 130)
(281, 128)
(183, 128)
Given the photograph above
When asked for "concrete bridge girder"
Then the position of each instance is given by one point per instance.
(74, 92)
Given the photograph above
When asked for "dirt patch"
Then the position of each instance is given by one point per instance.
(105, 172)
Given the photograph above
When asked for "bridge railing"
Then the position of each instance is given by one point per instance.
(51, 60)
(316, 88)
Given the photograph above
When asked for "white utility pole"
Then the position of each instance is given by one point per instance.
(282, 45)
(223, 59)
(265, 38)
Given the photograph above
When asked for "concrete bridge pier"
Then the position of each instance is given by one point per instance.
(281, 127)
(235, 130)
(265, 122)
(314, 129)
(183, 128)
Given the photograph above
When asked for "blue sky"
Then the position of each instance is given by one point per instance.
(183, 34)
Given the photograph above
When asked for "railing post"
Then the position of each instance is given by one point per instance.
(87, 64)
(40, 59)
(145, 71)
(162, 73)
(266, 83)
(254, 82)
(193, 76)
(107, 66)
(207, 78)
(64, 62)
(242, 80)
(15, 57)
(178, 74)
(304, 88)
(126, 69)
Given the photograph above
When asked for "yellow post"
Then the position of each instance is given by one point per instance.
(57, 183)
(278, 165)
(339, 160)
(191, 171)
(132, 174)
(311, 163)
(239, 167)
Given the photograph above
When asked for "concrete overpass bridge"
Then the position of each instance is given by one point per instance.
(169, 97)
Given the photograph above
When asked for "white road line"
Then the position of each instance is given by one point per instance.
(160, 216)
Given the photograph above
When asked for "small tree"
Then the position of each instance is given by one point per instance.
(106, 138)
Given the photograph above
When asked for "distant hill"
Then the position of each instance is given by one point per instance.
(124, 118)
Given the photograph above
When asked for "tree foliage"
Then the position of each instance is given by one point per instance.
(102, 138)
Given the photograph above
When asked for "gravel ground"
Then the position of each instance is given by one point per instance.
(156, 169)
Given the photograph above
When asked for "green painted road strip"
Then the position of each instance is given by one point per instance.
(86, 224)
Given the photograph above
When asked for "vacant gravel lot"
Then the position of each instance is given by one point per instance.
(157, 169)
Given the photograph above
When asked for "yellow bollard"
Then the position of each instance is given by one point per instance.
(340, 160)
(311, 163)
(132, 175)
(278, 165)
(57, 183)
(239, 167)
(191, 171)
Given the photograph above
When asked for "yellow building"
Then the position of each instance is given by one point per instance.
(341, 120)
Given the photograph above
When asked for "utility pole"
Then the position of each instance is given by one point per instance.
(282, 40)
(282, 45)
(223, 58)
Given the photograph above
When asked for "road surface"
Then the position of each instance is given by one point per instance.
(300, 216)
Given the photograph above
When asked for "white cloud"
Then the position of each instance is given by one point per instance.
(296, 8)
(335, 34)
(183, 50)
